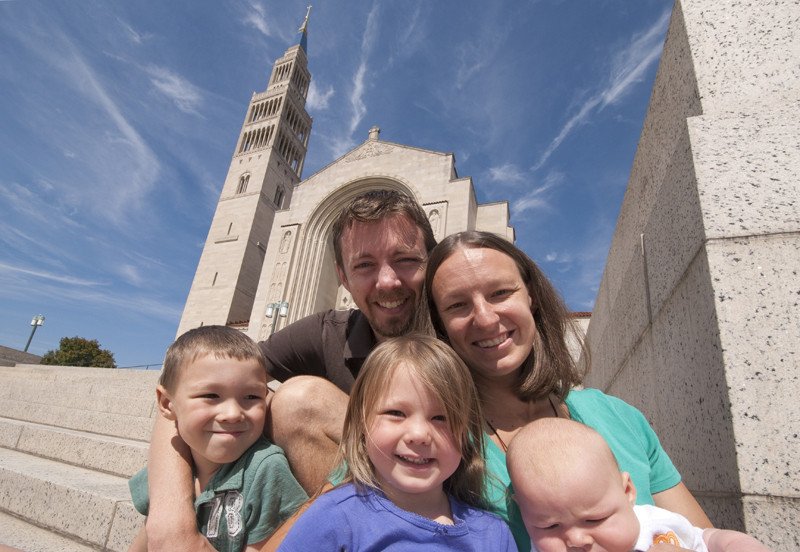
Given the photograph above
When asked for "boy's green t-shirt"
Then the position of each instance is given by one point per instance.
(245, 501)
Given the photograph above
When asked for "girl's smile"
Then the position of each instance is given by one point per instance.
(410, 444)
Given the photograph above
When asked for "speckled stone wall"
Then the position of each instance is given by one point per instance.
(697, 321)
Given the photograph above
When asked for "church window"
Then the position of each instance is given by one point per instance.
(246, 142)
(214, 281)
(230, 227)
(243, 181)
(279, 197)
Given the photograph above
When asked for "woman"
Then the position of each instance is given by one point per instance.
(506, 321)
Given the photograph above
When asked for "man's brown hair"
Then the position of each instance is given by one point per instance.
(377, 205)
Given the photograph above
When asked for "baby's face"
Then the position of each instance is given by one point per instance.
(589, 515)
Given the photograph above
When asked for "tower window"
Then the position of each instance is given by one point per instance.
(279, 197)
(242, 187)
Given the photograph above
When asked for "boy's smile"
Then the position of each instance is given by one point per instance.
(219, 406)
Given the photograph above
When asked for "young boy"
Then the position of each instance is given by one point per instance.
(572, 495)
(214, 387)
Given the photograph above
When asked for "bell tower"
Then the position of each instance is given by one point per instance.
(266, 166)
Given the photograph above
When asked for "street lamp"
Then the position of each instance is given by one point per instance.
(282, 308)
(37, 321)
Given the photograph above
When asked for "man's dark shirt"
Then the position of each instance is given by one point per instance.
(331, 344)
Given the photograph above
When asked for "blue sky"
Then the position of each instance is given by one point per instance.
(118, 120)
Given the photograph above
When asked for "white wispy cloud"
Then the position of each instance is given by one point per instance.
(558, 257)
(472, 59)
(318, 100)
(356, 98)
(38, 203)
(35, 241)
(88, 294)
(411, 37)
(186, 96)
(538, 198)
(507, 173)
(121, 155)
(135, 36)
(256, 17)
(628, 68)
(51, 276)
(477, 52)
(630, 64)
(130, 274)
(359, 109)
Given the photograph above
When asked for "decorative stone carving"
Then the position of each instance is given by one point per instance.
(435, 219)
(287, 237)
(370, 150)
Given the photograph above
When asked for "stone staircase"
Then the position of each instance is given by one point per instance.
(69, 440)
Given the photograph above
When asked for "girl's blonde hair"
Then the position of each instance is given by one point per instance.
(439, 369)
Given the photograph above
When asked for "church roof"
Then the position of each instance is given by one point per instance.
(372, 143)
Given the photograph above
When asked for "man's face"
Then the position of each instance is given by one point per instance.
(384, 267)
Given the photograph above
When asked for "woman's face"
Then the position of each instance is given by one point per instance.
(486, 310)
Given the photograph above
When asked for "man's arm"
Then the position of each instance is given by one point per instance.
(307, 412)
(171, 523)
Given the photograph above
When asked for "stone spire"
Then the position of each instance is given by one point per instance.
(303, 30)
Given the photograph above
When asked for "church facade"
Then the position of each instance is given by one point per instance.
(268, 258)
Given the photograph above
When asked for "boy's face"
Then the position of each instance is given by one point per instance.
(584, 514)
(219, 406)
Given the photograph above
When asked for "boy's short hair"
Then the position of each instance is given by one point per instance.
(219, 341)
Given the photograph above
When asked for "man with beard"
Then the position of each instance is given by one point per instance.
(381, 242)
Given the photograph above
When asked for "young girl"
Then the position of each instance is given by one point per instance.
(414, 464)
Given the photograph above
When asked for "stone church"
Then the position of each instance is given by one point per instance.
(268, 258)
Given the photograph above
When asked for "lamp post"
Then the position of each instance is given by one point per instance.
(281, 308)
(37, 321)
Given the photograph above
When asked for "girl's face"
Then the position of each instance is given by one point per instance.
(486, 310)
(409, 442)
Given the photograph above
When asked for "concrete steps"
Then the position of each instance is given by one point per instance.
(69, 440)
(30, 538)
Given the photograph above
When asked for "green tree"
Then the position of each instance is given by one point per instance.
(78, 351)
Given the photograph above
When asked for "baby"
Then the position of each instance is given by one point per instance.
(572, 495)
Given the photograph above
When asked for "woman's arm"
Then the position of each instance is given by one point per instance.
(139, 543)
(679, 499)
(171, 523)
